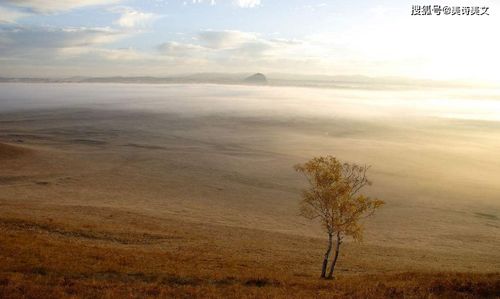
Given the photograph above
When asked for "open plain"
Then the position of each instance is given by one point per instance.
(124, 190)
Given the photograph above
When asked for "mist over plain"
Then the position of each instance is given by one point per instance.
(224, 154)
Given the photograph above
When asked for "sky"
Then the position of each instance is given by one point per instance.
(379, 38)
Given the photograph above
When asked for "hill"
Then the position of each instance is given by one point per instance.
(257, 78)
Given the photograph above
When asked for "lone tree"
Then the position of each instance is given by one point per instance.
(333, 198)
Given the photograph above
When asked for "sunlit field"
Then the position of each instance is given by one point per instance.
(120, 190)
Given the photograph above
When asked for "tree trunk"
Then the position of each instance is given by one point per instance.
(334, 262)
(327, 255)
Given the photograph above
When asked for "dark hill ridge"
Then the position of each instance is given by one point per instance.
(257, 78)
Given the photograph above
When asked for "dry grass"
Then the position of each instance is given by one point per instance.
(149, 258)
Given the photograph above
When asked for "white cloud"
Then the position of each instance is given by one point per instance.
(52, 6)
(225, 39)
(212, 2)
(239, 3)
(247, 3)
(177, 49)
(96, 54)
(231, 47)
(46, 41)
(131, 18)
(10, 15)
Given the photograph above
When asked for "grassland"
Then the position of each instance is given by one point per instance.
(50, 249)
(110, 253)
(102, 201)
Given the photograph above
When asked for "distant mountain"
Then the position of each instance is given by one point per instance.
(257, 78)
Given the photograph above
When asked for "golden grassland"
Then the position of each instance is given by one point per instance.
(107, 218)
(111, 253)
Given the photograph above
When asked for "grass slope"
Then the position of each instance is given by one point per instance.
(109, 253)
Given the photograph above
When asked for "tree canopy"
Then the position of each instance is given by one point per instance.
(333, 198)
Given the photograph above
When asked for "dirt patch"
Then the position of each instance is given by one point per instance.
(8, 151)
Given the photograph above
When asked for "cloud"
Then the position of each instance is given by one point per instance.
(88, 51)
(22, 41)
(212, 2)
(93, 54)
(238, 43)
(239, 3)
(247, 3)
(10, 15)
(53, 6)
(224, 39)
(223, 45)
(229, 46)
(177, 49)
(255, 49)
(131, 18)
(31, 49)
